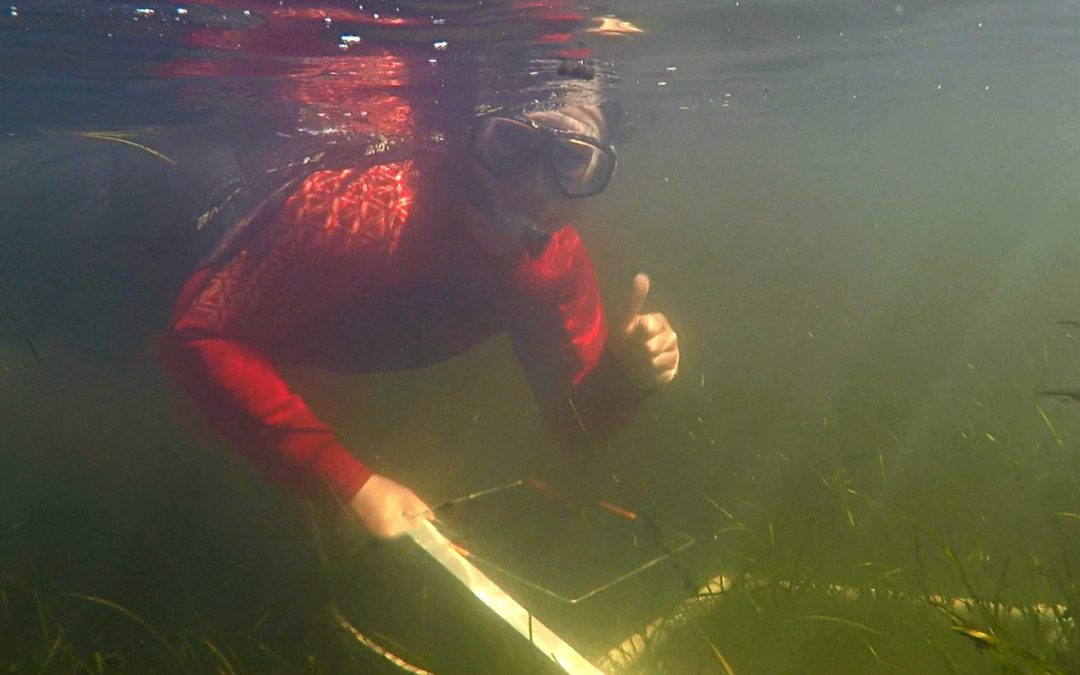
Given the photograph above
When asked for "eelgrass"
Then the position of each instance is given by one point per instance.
(761, 630)
(39, 635)
(86, 634)
(139, 621)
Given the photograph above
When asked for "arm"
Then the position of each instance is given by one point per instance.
(561, 338)
(317, 251)
(242, 395)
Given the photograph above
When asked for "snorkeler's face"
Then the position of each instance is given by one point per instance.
(528, 193)
(529, 166)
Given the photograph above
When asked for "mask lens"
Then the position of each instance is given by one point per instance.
(581, 168)
(502, 144)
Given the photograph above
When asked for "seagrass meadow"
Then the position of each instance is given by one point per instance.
(861, 219)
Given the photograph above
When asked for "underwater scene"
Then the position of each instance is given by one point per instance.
(302, 370)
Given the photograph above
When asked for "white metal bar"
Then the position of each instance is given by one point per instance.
(509, 610)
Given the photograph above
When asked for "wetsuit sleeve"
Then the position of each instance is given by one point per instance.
(305, 260)
(559, 338)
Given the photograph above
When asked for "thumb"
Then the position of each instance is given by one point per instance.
(638, 294)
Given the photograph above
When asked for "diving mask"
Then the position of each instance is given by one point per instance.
(580, 165)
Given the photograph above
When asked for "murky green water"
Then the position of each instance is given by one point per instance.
(867, 244)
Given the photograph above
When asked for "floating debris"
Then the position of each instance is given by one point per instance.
(124, 138)
(1050, 426)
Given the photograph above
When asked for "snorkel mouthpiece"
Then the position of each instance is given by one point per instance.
(524, 230)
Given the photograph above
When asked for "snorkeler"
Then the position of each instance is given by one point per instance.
(406, 263)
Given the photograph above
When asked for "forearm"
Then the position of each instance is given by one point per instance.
(244, 397)
(599, 406)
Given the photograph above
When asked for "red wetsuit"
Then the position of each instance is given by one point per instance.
(359, 271)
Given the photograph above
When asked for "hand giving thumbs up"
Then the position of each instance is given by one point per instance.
(644, 344)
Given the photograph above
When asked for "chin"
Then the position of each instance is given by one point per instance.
(551, 223)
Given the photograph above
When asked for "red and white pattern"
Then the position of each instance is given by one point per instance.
(336, 229)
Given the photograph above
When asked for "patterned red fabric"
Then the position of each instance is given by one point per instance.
(335, 279)
(337, 228)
